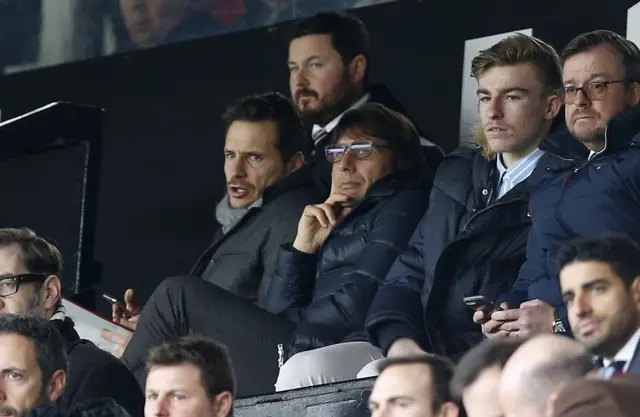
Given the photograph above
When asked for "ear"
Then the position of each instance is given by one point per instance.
(57, 385)
(222, 404)
(554, 104)
(358, 69)
(634, 93)
(449, 409)
(635, 292)
(294, 163)
(52, 292)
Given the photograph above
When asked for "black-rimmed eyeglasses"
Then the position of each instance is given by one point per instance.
(10, 284)
(359, 149)
(595, 90)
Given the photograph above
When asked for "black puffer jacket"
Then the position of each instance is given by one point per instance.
(467, 244)
(328, 294)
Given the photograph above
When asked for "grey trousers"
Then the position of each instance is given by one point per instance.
(335, 363)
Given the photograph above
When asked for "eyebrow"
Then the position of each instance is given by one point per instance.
(312, 57)
(503, 90)
(587, 285)
(13, 369)
(591, 77)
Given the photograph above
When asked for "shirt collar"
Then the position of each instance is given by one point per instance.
(332, 124)
(519, 171)
(626, 353)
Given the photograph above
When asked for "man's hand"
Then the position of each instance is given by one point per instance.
(120, 341)
(492, 327)
(533, 317)
(317, 221)
(127, 318)
(404, 347)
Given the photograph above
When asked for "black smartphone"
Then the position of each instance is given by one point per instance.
(114, 301)
(479, 303)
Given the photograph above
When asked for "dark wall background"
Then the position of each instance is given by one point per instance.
(162, 159)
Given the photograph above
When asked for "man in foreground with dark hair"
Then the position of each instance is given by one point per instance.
(30, 270)
(191, 377)
(328, 75)
(33, 361)
(476, 381)
(413, 386)
(600, 282)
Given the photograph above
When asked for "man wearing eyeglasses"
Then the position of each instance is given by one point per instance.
(593, 185)
(30, 268)
(325, 280)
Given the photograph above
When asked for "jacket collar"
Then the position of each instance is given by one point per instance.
(392, 183)
(619, 132)
(300, 178)
(67, 329)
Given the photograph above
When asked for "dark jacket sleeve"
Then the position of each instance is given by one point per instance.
(292, 284)
(398, 309)
(330, 319)
(535, 281)
(94, 377)
(283, 230)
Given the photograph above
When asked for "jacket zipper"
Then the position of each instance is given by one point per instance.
(487, 208)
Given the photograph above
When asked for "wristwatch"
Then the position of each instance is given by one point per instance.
(558, 326)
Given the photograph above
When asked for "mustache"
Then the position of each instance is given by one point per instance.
(241, 184)
(305, 92)
(10, 411)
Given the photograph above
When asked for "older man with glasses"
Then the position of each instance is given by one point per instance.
(325, 281)
(592, 186)
(30, 267)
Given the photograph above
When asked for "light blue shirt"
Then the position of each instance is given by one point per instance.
(516, 173)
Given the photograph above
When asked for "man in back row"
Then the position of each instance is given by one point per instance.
(328, 75)
(472, 240)
(593, 183)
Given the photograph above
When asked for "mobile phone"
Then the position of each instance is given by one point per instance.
(114, 301)
(479, 303)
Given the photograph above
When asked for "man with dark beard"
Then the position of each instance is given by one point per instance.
(600, 280)
(328, 75)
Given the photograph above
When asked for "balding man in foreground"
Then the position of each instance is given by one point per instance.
(537, 370)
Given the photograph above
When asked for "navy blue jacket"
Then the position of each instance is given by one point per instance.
(580, 197)
(329, 293)
(468, 243)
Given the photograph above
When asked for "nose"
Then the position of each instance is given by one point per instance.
(582, 99)
(494, 109)
(161, 408)
(582, 307)
(347, 163)
(300, 78)
(236, 168)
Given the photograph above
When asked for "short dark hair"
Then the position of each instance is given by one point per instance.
(488, 354)
(520, 49)
(441, 373)
(276, 108)
(629, 52)
(620, 252)
(378, 121)
(210, 357)
(50, 347)
(349, 35)
(39, 255)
